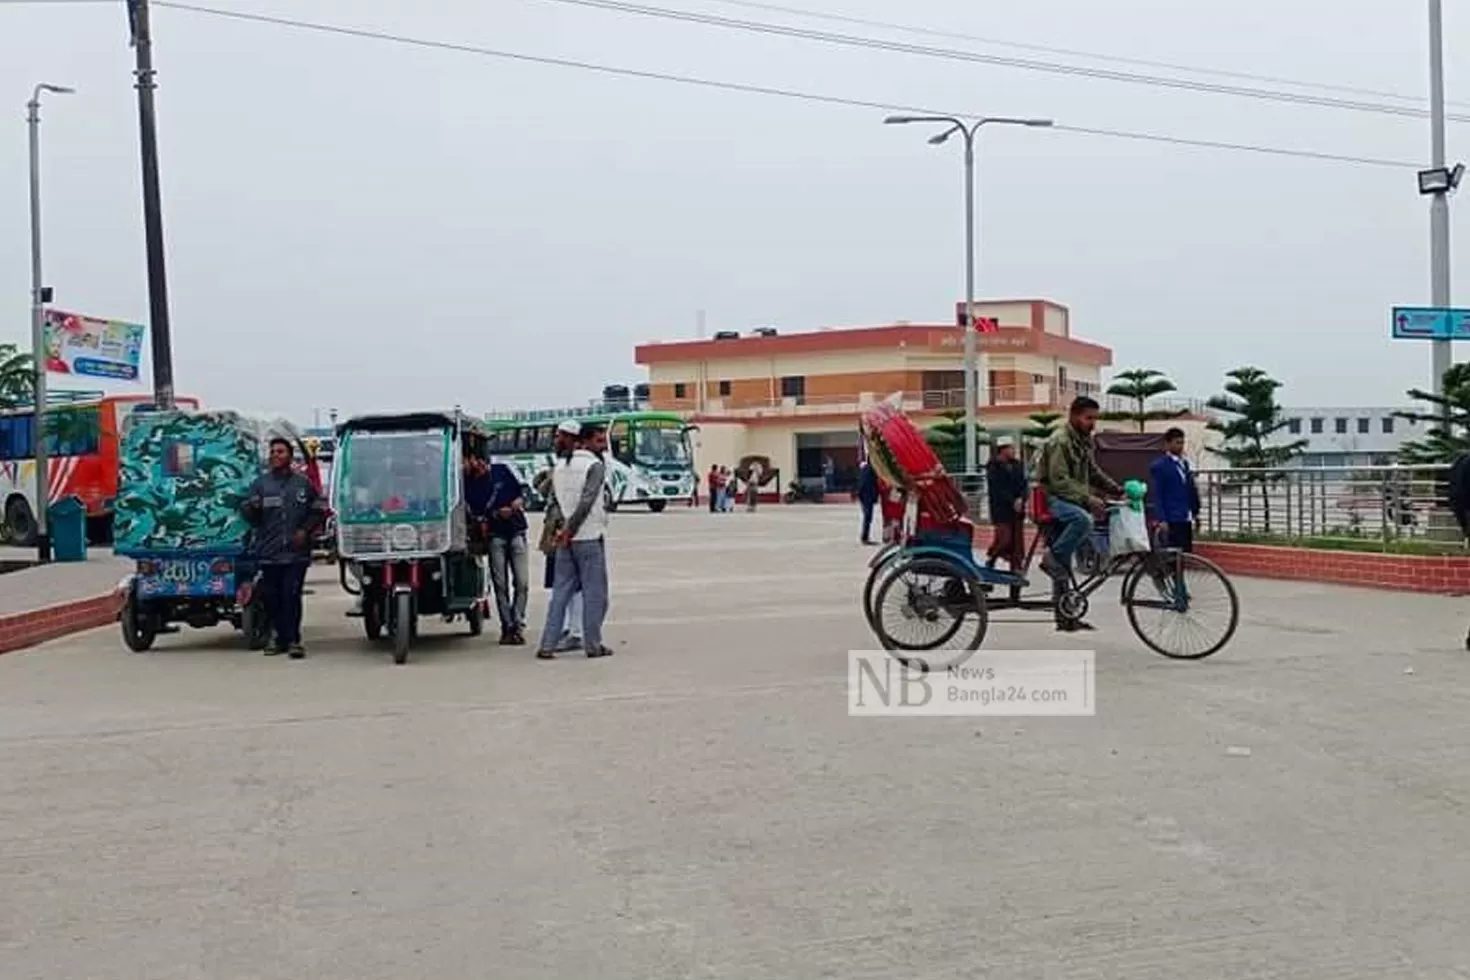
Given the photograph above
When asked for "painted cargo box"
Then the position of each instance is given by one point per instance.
(182, 479)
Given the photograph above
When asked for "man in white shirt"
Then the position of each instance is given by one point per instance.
(581, 554)
(753, 475)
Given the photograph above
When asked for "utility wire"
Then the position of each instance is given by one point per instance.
(920, 30)
(752, 89)
(1026, 64)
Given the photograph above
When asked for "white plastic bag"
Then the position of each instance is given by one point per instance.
(1127, 531)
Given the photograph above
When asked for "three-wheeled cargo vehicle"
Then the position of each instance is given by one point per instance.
(402, 531)
(182, 477)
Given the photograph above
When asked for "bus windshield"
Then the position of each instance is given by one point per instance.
(393, 476)
(661, 445)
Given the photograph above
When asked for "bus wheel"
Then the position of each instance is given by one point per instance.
(657, 506)
(21, 523)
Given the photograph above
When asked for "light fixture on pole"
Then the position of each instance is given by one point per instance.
(40, 296)
(973, 374)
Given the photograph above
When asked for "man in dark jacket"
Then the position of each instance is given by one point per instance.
(285, 511)
(867, 496)
(1005, 483)
(1176, 495)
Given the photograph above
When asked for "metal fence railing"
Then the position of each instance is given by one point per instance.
(1381, 504)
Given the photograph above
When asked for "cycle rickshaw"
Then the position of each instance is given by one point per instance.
(928, 600)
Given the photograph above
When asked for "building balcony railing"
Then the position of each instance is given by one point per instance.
(1033, 397)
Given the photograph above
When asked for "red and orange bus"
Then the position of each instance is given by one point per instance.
(81, 457)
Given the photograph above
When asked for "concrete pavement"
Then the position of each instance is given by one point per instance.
(700, 805)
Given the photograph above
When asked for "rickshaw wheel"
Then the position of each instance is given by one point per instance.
(255, 623)
(940, 607)
(476, 618)
(139, 630)
(403, 626)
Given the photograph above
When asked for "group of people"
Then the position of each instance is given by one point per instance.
(1074, 494)
(722, 484)
(572, 539)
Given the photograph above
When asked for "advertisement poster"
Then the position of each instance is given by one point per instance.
(88, 347)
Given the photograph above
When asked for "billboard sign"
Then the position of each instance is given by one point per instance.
(87, 347)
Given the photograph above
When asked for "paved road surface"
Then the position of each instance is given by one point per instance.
(701, 806)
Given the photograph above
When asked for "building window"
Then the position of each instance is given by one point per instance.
(1294, 426)
(1363, 425)
(1038, 379)
(680, 390)
(1341, 425)
(793, 386)
(1061, 376)
(1316, 427)
(1388, 425)
(724, 389)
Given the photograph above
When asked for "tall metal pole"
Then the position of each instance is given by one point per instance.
(1439, 206)
(162, 349)
(972, 367)
(38, 332)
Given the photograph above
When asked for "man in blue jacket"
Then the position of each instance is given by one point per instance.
(1176, 497)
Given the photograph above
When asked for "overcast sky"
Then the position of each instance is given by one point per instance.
(360, 224)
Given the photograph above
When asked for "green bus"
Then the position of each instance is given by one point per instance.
(650, 459)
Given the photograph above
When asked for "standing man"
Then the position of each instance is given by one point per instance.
(753, 474)
(867, 495)
(1075, 487)
(1005, 483)
(713, 479)
(581, 555)
(1176, 495)
(568, 435)
(285, 512)
(509, 553)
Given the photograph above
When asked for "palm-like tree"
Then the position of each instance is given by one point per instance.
(1449, 417)
(1138, 385)
(947, 438)
(16, 376)
(1250, 400)
(1039, 428)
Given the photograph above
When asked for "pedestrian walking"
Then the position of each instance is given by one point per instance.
(570, 636)
(867, 495)
(1176, 495)
(727, 490)
(285, 511)
(581, 554)
(712, 480)
(1005, 484)
(753, 474)
(509, 552)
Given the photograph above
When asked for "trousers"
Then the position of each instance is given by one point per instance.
(580, 567)
(510, 575)
(283, 585)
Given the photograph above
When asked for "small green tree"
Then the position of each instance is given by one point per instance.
(1448, 416)
(16, 376)
(1039, 428)
(1246, 437)
(1138, 385)
(947, 438)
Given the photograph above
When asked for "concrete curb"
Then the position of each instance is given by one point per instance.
(21, 630)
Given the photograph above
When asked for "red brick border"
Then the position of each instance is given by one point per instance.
(1442, 575)
(21, 630)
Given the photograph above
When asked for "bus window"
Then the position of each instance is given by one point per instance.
(492, 444)
(73, 431)
(618, 443)
(544, 437)
(16, 437)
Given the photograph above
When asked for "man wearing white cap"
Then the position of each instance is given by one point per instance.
(581, 556)
(1005, 483)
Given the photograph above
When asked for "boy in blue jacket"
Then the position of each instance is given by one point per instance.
(1176, 497)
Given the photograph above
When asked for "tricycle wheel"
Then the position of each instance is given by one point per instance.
(255, 623)
(139, 628)
(476, 618)
(372, 617)
(403, 624)
(923, 605)
(1181, 605)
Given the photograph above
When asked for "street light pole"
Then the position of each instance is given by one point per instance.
(161, 347)
(973, 355)
(1439, 205)
(38, 323)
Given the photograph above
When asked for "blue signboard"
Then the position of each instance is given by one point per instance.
(1430, 323)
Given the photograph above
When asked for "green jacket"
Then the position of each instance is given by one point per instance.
(1068, 469)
